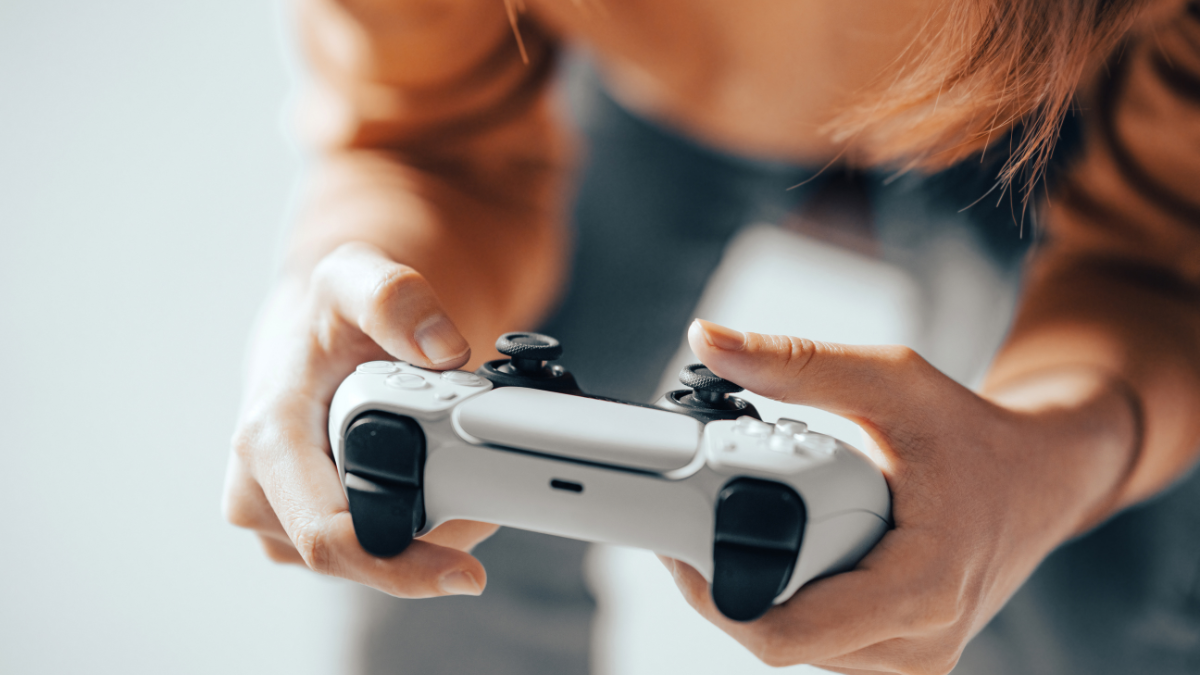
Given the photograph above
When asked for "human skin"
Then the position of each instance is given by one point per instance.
(983, 488)
(280, 480)
(478, 210)
(984, 485)
(343, 299)
(1088, 408)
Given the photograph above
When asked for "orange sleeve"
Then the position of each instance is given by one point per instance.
(436, 139)
(1116, 284)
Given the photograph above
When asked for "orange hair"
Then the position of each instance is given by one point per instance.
(978, 68)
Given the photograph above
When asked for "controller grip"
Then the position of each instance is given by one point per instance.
(759, 530)
(385, 464)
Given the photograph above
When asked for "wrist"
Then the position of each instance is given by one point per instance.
(1085, 427)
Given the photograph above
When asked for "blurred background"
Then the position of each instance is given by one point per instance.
(144, 176)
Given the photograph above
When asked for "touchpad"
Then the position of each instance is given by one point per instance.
(582, 428)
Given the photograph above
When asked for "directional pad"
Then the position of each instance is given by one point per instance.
(385, 462)
(759, 530)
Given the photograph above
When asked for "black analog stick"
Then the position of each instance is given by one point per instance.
(705, 385)
(529, 351)
(707, 397)
(526, 365)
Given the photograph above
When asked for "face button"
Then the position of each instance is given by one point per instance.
(464, 378)
(406, 381)
(782, 443)
(818, 444)
(445, 396)
(791, 427)
(378, 368)
(752, 427)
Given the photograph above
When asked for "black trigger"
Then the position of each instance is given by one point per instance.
(759, 530)
(385, 516)
(385, 463)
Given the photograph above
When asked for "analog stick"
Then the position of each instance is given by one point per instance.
(529, 352)
(707, 397)
(706, 386)
(528, 364)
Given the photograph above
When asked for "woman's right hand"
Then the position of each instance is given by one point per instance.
(358, 305)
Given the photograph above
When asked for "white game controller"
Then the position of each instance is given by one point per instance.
(759, 509)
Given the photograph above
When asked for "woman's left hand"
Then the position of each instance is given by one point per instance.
(981, 493)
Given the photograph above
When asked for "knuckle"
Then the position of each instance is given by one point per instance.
(774, 659)
(904, 358)
(244, 441)
(315, 549)
(238, 507)
(941, 607)
(948, 662)
(263, 429)
(236, 512)
(326, 268)
(397, 281)
(936, 662)
(278, 552)
(769, 649)
(798, 353)
(942, 615)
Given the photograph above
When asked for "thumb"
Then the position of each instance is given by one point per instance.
(859, 382)
(392, 304)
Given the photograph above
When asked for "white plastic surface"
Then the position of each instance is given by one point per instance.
(513, 489)
(772, 281)
(582, 428)
(846, 538)
(661, 505)
(830, 482)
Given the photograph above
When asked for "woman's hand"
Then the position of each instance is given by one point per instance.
(982, 492)
(282, 482)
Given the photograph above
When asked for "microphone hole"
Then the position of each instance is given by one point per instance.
(567, 485)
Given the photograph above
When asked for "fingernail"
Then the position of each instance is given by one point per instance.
(720, 336)
(459, 583)
(440, 340)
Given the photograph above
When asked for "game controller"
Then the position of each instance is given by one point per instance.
(758, 509)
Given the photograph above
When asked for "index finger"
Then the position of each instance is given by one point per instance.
(887, 596)
(390, 303)
(285, 452)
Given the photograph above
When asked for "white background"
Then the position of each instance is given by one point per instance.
(143, 179)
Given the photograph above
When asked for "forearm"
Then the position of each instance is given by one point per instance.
(439, 144)
(492, 246)
(1116, 290)
(1123, 344)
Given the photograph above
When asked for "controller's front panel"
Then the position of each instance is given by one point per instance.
(582, 428)
(757, 508)
(571, 499)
